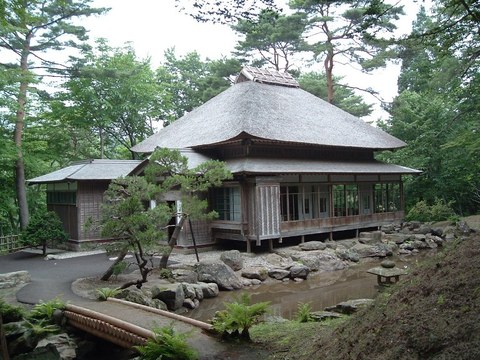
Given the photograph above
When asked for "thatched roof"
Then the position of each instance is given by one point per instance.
(96, 169)
(287, 114)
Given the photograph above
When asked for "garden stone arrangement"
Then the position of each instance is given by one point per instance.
(191, 282)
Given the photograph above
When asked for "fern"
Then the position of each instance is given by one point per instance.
(239, 316)
(167, 345)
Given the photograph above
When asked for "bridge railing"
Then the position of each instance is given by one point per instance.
(117, 331)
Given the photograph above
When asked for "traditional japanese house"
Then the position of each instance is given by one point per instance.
(301, 166)
(75, 193)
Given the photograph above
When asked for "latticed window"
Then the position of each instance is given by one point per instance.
(226, 202)
(62, 197)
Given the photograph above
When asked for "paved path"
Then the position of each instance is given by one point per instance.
(52, 278)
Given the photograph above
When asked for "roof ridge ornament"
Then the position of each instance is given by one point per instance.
(266, 76)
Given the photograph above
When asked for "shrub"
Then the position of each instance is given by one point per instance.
(45, 310)
(304, 313)
(11, 313)
(238, 317)
(167, 345)
(44, 228)
(104, 293)
(439, 211)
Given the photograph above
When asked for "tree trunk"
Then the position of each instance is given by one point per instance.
(328, 64)
(107, 274)
(172, 242)
(18, 136)
(3, 342)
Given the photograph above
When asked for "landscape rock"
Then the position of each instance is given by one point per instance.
(185, 276)
(233, 259)
(256, 281)
(48, 352)
(377, 250)
(64, 344)
(209, 290)
(189, 303)
(347, 254)
(325, 315)
(189, 291)
(219, 273)
(319, 260)
(299, 271)
(349, 307)
(278, 274)
(259, 273)
(171, 294)
(312, 245)
(279, 261)
(138, 297)
(373, 237)
(12, 279)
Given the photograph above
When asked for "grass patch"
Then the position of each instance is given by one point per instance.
(291, 338)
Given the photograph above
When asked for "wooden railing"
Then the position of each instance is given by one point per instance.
(10, 243)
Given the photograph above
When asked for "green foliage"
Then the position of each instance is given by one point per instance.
(423, 212)
(271, 38)
(316, 84)
(167, 345)
(304, 313)
(187, 82)
(104, 293)
(41, 328)
(115, 95)
(165, 274)
(44, 228)
(45, 310)
(119, 267)
(239, 316)
(11, 313)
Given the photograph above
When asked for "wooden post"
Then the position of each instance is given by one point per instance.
(249, 246)
(302, 239)
(331, 236)
(270, 245)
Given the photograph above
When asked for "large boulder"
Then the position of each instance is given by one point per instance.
(139, 297)
(278, 274)
(319, 260)
(372, 237)
(209, 290)
(376, 250)
(313, 245)
(47, 352)
(255, 272)
(171, 294)
(12, 279)
(219, 273)
(65, 345)
(232, 258)
(299, 271)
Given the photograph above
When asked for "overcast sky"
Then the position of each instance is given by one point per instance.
(152, 26)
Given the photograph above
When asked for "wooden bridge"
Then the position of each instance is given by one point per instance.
(128, 324)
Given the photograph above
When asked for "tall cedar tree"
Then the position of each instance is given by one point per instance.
(30, 28)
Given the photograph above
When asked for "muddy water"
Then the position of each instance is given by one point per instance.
(320, 290)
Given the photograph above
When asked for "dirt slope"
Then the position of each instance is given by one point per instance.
(432, 314)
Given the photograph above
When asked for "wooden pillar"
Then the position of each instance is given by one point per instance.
(356, 234)
(302, 239)
(331, 236)
(270, 245)
(249, 246)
